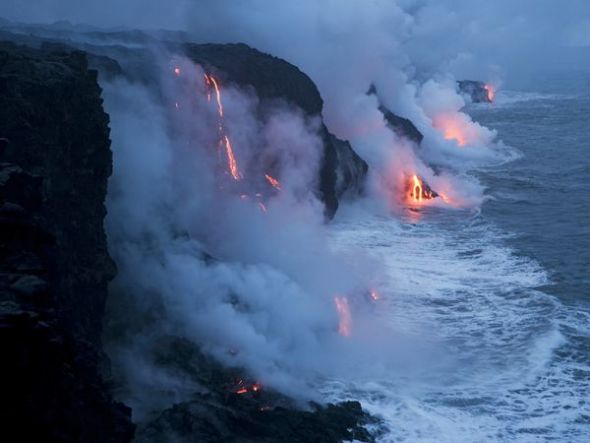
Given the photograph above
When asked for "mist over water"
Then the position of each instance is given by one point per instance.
(504, 292)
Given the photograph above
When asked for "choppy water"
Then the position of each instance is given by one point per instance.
(504, 291)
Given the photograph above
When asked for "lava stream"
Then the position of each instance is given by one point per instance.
(231, 160)
(273, 181)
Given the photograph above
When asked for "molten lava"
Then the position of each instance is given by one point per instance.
(491, 92)
(273, 182)
(231, 160)
(345, 323)
(418, 191)
(224, 141)
(211, 81)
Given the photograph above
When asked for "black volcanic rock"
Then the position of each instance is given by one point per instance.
(54, 264)
(476, 90)
(402, 126)
(217, 413)
(272, 77)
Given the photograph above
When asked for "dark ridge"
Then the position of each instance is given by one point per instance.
(270, 76)
(402, 126)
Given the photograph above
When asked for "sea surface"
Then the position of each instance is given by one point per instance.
(504, 289)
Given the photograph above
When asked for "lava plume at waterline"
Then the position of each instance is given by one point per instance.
(418, 191)
(491, 92)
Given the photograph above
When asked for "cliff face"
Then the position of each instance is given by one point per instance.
(55, 160)
(342, 171)
(54, 265)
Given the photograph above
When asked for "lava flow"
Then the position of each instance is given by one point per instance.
(345, 322)
(232, 164)
(491, 92)
(273, 182)
(231, 160)
(418, 191)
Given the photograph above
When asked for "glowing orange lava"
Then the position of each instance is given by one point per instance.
(345, 323)
(418, 192)
(213, 82)
(273, 181)
(224, 140)
(491, 92)
(231, 160)
(244, 388)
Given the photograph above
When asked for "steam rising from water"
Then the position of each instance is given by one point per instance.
(198, 260)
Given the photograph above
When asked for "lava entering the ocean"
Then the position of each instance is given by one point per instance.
(452, 130)
(418, 191)
(491, 92)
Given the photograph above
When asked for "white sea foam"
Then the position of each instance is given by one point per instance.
(498, 368)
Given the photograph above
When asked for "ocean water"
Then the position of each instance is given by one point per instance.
(503, 291)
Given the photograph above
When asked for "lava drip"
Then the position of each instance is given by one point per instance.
(417, 191)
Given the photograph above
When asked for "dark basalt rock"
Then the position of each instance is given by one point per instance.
(476, 90)
(351, 170)
(55, 160)
(217, 413)
(402, 126)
